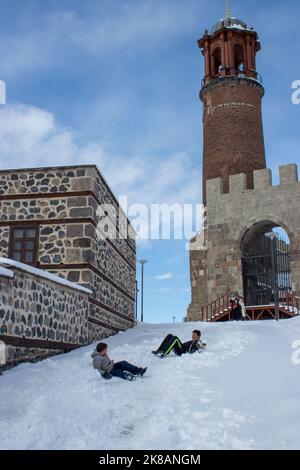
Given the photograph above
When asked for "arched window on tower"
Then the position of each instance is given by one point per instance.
(239, 63)
(217, 61)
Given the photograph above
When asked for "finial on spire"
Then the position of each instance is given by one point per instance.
(227, 9)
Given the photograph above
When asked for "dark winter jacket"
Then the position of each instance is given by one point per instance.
(102, 363)
(193, 346)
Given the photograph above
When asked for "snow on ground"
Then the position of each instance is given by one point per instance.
(241, 393)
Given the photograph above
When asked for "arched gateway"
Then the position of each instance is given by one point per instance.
(266, 263)
(241, 253)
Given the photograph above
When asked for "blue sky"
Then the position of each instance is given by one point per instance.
(116, 83)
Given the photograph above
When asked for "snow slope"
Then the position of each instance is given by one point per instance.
(243, 392)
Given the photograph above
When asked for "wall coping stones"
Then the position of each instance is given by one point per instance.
(7, 263)
(6, 273)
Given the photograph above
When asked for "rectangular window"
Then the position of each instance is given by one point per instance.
(23, 244)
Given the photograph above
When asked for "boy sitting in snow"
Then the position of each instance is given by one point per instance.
(173, 343)
(108, 368)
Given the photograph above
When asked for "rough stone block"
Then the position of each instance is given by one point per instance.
(73, 255)
(81, 212)
(237, 183)
(288, 174)
(74, 231)
(82, 243)
(214, 188)
(82, 184)
(77, 201)
(262, 178)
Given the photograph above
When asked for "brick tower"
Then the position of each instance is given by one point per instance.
(232, 92)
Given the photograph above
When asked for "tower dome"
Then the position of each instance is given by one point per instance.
(229, 22)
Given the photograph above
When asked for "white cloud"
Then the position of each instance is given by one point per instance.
(164, 277)
(167, 276)
(162, 290)
(169, 289)
(127, 26)
(135, 24)
(31, 137)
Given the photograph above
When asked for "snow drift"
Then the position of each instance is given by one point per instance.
(241, 393)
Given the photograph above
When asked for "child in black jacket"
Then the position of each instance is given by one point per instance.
(173, 343)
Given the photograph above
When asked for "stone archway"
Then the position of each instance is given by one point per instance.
(237, 218)
(266, 263)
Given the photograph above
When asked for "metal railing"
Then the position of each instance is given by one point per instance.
(240, 74)
(286, 301)
(291, 303)
(214, 309)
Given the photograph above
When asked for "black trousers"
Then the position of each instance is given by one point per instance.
(171, 343)
(237, 314)
(120, 367)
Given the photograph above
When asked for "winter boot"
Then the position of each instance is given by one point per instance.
(129, 375)
(142, 371)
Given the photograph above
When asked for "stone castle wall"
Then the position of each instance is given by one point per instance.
(236, 216)
(40, 317)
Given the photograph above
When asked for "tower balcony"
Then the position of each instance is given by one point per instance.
(225, 73)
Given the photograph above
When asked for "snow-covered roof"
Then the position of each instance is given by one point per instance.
(229, 22)
(6, 273)
(6, 263)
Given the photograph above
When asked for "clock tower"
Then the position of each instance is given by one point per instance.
(231, 93)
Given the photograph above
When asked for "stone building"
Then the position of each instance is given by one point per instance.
(49, 219)
(242, 205)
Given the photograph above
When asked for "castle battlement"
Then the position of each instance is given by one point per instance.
(262, 181)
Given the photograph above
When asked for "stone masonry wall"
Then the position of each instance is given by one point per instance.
(198, 276)
(39, 317)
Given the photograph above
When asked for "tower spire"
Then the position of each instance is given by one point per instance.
(227, 9)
